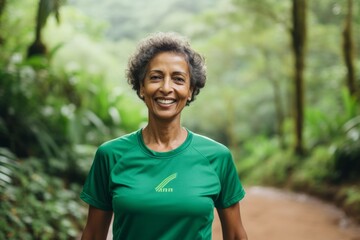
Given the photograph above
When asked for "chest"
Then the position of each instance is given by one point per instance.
(182, 185)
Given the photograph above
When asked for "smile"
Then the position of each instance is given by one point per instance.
(165, 101)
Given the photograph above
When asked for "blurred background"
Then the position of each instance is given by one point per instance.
(282, 93)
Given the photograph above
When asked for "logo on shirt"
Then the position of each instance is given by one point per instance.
(161, 187)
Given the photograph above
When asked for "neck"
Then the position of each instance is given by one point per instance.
(162, 136)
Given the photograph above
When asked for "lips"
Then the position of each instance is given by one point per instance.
(165, 101)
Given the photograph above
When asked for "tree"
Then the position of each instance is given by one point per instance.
(348, 49)
(298, 34)
(2, 7)
(46, 7)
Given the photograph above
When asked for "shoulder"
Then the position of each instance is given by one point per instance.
(120, 144)
(208, 146)
(108, 153)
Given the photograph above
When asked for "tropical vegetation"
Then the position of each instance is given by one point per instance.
(282, 93)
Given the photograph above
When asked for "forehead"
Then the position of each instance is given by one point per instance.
(169, 60)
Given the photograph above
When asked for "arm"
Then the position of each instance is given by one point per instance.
(232, 227)
(97, 224)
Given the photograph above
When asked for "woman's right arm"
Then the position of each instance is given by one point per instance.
(97, 224)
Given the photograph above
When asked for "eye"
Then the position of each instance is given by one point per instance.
(179, 79)
(155, 77)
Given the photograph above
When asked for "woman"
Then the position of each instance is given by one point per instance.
(163, 181)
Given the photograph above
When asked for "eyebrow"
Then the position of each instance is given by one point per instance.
(176, 72)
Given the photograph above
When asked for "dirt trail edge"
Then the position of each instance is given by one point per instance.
(272, 214)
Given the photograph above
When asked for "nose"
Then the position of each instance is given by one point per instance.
(166, 87)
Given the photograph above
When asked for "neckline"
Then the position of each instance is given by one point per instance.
(166, 154)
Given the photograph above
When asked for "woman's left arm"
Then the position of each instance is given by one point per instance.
(232, 227)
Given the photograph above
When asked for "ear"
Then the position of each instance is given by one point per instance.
(190, 94)
(141, 92)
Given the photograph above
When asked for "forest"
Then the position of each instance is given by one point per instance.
(282, 92)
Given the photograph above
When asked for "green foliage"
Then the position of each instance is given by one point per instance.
(53, 118)
(144, 17)
(35, 196)
(319, 127)
(273, 171)
(349, 196)
(350, 104)
(263, 163)
(38, 205)
(347, 154)
(60, 110)
(28, 92)
(55, 111)
(7, 167)
(343, 132)
(316, 169)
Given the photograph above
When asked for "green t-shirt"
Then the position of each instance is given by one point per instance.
(162, 195)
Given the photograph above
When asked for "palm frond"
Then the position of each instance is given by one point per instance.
(7, 166)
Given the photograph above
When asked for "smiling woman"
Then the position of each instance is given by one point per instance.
(166, 87)
(163, 181)
(169, 42)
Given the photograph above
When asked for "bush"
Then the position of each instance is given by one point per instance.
(39, 206)
(254, 154)
(265, 163)
(349, 198)
(347, 154)
(315, 169)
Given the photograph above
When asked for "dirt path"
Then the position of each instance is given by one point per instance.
(272, 214)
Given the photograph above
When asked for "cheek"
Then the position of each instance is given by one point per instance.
(147, 90)
(143, 90)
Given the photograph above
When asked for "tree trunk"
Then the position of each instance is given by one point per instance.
(2, 7)
(298, 42)
(349, 50)
(37, 47)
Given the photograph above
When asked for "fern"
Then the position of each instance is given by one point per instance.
(7, 166)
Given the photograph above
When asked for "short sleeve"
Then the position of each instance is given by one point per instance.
(96, 188)
(232, 190)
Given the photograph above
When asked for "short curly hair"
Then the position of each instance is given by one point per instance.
(160, 42)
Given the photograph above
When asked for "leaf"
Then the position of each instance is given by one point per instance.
(7, 166)
(349, 102)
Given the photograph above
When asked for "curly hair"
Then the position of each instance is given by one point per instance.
(160, 42)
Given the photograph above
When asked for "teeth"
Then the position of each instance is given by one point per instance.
(165, 101)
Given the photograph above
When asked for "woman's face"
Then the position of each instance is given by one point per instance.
(166, 87)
